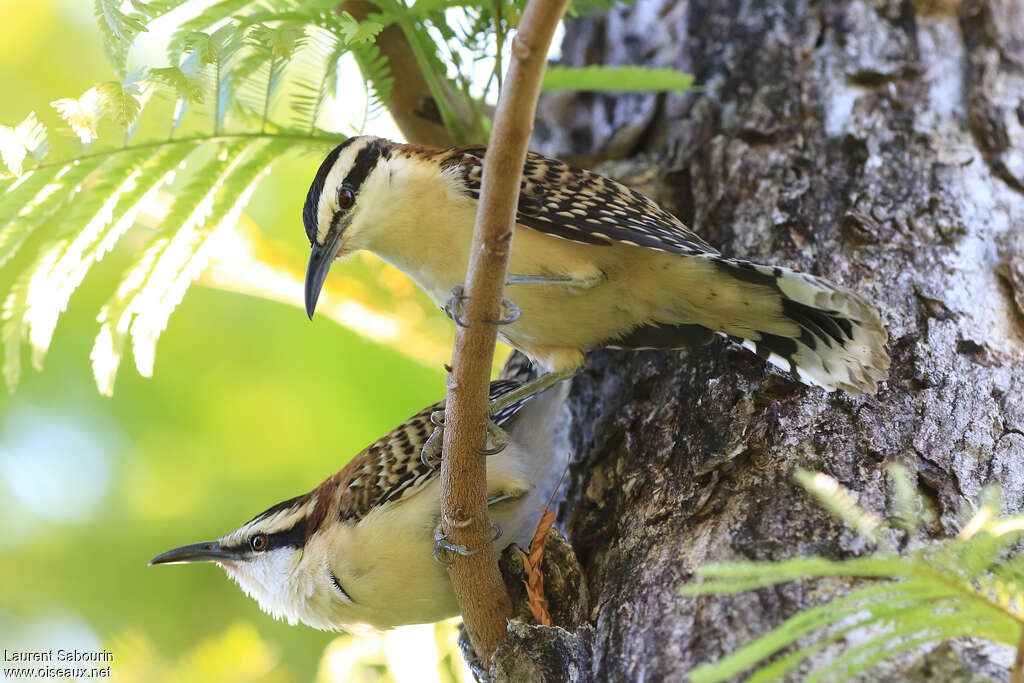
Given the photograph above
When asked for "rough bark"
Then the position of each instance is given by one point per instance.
(877, 143)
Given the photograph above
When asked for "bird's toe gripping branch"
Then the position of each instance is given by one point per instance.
(430, 454)
(445, 552)
(455, 308)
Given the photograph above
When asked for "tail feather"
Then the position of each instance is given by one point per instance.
(839, 342)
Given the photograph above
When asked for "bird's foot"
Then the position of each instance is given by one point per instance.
(445, 552)
(455, 308)
(498, 439)
(510, 312)
(430, 454)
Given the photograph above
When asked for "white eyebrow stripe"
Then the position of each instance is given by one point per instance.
(328, 204)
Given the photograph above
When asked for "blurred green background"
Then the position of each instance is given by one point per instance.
(249, 404)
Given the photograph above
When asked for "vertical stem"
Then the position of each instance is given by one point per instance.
(478, 586)
(499, 40)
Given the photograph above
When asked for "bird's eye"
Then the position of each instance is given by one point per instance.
(258, 542)
(346, 197)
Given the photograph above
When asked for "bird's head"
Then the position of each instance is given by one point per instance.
(334, 203)
(279, 560)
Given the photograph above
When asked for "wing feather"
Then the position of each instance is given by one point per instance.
(579, 205)
(390, 468)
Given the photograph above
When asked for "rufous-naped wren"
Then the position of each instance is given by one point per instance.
(361, 550)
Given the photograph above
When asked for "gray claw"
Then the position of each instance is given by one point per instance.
(496, 531)
(430, 454)
(511, 311)
(444, 552)
(453, 308)
(498, 437)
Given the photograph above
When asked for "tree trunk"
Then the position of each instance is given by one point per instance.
(877, 143)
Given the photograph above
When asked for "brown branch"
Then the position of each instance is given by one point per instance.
(411, 103)
(478, 586)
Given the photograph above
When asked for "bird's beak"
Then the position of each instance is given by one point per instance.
(320, 260)
(210, 551)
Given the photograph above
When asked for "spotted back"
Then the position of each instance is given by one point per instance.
(390, 467)
(579, 205)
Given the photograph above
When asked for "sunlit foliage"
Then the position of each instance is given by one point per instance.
(971, 585)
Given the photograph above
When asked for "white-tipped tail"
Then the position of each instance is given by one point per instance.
(827, 335)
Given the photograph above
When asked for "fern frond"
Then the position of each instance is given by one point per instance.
(15, 328)
(31, 188)
(106, 211)
(841, 503)
(154, 9)
(188, 81)
(82, 113)
(738, 577)
(122, 101)
(259, 73)
(119, 30)
(354, 31)
(317, 66)
(151, 291)
(191, 206)
(875, 650)
(944, 589)
(212, 15)
(878, 616)
(16, 144)
(186, 87)
(802, 624)
(909, 507)
(215, 55)
(58, 188)
(377, 74)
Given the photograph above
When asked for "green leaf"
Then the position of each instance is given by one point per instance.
(201, 45)
(743, 576)
(841, 503)
(376, 73)
(121, 101)
(354, 31)
(946, 588)
(28, 137)
(214, 14)
(258, 75)
(793, 628)
(615, 79)
(317, 67)
(188, 88)
(30, 188)
(51, 198)
(15, 326)
(97, 219)
(150, 292)
(119, 31)
(124, 27)
(82, 114)
(909, 508)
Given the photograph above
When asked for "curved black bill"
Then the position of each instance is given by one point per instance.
(320, 260)
(197, 552)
